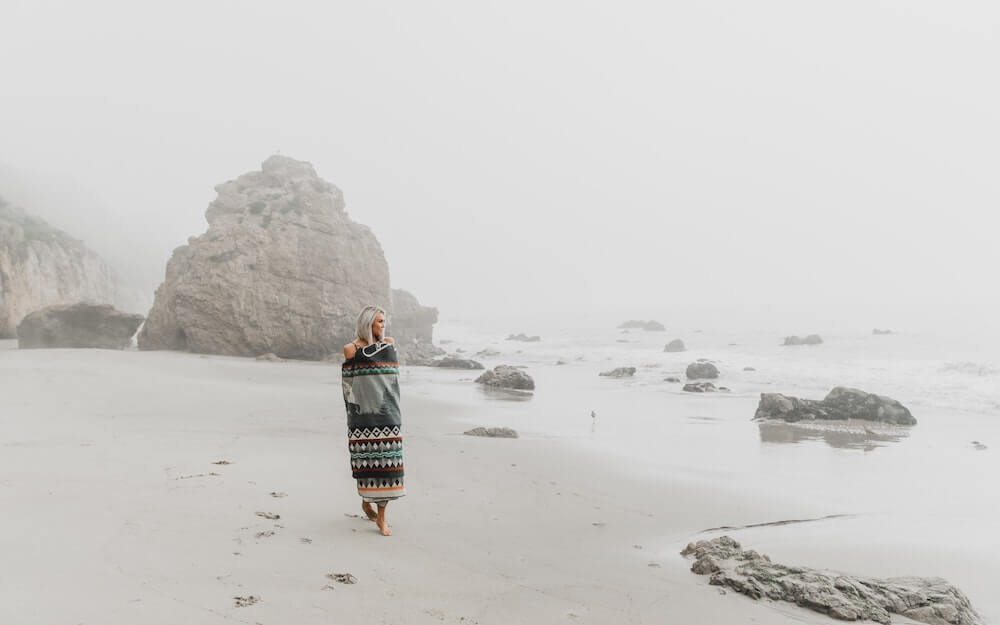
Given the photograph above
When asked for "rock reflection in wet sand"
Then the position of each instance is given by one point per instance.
(851, 434)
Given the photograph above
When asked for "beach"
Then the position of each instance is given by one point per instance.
(136, 487)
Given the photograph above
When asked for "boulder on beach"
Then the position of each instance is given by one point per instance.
(80, 325)
(496, 432)
(840, 404)
(812, 339)
(505, 376)
(699, 387)
(418, 353)
(619, 372)
(454, 362)
(701, 370)
(842, 596)
(675, 345)
(524, 338)
(649, 326)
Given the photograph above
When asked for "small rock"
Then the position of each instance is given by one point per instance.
(649, 326)
(505, 376)
(620, 372)
(812, 339)
(749, 369)
(454, 362)
(675, 345)
(524, 338)
(702, 370)
(495, 432)
(672, 378)
(700, 387)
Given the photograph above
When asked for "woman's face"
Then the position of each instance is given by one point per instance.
(378, 327)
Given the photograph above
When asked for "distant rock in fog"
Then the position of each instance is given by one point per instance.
(80, 325)
(454, 362)
(840, 404)
(672, 378)
(496, 432)
(699, 387)
(749, 369)
(675, 345)
(649, 326)
(523, 338)
(812, 339)
(619, 372)
(42, 266)
(412, 326)
(487, 353)
(701, 370)
(504, 376)
(281, 269)
(877, 331)
(846, 597)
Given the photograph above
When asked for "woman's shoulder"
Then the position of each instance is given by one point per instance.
(390, 340)
(350, 349)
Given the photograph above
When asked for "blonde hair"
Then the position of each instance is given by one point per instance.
(365, 320)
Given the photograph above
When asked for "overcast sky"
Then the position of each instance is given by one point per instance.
(807, 163)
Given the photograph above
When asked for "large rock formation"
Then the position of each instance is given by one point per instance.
(77, 325)
(841, 403)
(845, 597)
(281, 269)
(41, 266)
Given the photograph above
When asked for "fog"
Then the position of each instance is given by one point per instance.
(789, 164)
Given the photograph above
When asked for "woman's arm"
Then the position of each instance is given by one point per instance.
(349, 350)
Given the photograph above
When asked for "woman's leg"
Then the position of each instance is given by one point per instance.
(383, 524)
(369, 510)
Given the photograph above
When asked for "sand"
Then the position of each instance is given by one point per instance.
(135, 487)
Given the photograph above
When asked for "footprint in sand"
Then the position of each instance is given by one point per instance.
(305, 541)
(265, 534)
(268, 515)
(278, 494)
(243, 602)
(342, 578)
(222, 462)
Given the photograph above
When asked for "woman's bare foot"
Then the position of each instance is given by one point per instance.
(369, 511)
(383, 524)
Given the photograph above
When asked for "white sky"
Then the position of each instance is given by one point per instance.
(807, 163)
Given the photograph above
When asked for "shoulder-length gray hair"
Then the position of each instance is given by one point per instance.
(365, 320)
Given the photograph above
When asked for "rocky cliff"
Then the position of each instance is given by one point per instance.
(41, 266)
(281, 269)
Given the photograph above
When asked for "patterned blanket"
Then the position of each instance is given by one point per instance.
(371, 397)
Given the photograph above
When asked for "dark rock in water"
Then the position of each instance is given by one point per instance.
(841, 403)
(699, 387)
(846, 597)
(702, 370)
(675, 345)
(79, 325)
(672, 379)
(877, 331)
(524, 338)
(749, 369)
(418, 353)
(812, 339)
(453, 362)
(504, 376)
(620, 372)
(650, 326)
(492, 432)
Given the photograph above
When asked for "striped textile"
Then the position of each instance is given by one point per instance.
(371, 398)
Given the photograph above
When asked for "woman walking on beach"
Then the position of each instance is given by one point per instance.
(371, 395)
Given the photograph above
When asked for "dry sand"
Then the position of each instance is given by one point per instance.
(114, 509)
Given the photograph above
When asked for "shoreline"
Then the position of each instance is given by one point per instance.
(118, 509)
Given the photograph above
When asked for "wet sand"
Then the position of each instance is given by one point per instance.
(136, 487)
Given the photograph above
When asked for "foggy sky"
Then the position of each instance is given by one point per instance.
(803, 163)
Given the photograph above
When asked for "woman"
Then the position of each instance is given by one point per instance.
(371, 395)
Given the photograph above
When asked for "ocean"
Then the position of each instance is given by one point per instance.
(921, 500)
